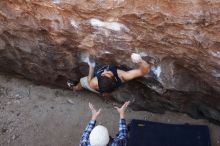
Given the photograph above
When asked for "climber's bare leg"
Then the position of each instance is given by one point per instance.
(78, 87)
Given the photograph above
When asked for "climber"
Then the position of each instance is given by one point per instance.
(99, 136)
(108, 77)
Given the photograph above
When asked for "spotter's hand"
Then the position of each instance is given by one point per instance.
(95, 113)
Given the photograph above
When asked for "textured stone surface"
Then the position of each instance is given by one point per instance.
(35, 115)
(45, 41)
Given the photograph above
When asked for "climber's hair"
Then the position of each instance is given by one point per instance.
(107, 84)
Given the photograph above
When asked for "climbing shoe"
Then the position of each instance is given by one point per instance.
(71, 83)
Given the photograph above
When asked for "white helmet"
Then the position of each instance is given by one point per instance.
(99, 136)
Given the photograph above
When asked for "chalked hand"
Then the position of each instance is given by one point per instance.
(136, 58)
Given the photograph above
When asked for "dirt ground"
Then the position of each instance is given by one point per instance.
(35, 115)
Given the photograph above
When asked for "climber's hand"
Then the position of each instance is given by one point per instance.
(136, 58)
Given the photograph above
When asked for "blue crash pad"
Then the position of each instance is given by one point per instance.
(146, 133)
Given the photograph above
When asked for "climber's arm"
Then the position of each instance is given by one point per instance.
(143, 69)
(91, 73)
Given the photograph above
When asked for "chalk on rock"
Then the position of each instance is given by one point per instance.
(87, 59)
(56, 1)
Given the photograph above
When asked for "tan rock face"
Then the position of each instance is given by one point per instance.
(45, 41)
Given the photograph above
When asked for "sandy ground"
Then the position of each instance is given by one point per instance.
(35, 115)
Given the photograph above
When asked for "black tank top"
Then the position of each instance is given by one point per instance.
(111, 68)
